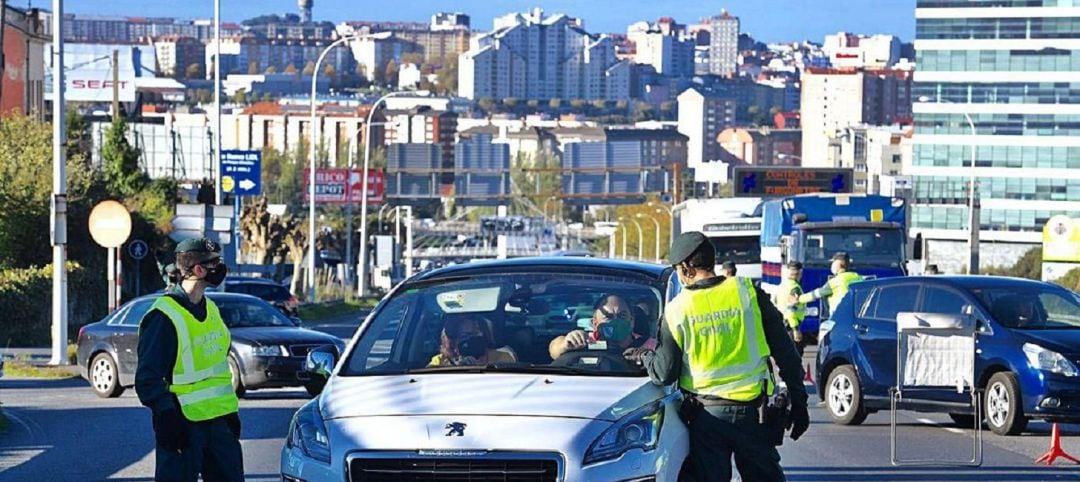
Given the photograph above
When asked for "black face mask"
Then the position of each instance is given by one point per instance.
(216, 275)
(472, 345)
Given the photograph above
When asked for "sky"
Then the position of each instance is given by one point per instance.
(766, 20)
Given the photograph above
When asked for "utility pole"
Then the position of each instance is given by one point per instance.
(59, 198)
(115, 85)
(216, 161)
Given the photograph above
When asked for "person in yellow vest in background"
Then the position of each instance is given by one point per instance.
(837, 286)
(715, 342)
(183, 374)
(787, 299)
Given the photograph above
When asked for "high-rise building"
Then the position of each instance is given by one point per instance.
(305, 9)
(115, 29)
(723, 44)
(533, 56)
(426, 126)
(1014, 68)
(703, 114)
(860, 51)
(762, 147)
(450, 21)
(834, 99)
(664, 45)
(176, 54)
(436, 42)
(875, 153)
(243, 55)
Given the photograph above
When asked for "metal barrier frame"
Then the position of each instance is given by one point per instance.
(897, 395)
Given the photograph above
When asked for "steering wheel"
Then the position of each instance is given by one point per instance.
(608, 360)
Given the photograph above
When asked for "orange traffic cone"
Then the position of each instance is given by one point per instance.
(1055, 449)
(808, 377)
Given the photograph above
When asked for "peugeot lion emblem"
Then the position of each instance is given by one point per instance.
(455, 428)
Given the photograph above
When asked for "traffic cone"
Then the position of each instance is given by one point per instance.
(808, 377)
(1055, 449)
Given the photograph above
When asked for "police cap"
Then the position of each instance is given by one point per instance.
(196, 250)
(685, 245)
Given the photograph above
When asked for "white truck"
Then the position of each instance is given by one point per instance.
(732, 224)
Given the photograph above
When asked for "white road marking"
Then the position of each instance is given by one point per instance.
(938, 425)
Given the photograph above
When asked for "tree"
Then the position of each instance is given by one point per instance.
(391, 73)
(329, 71)
(239, 97)
(194, 71)
(253, 68)
(290, 69)
(120, 161)
(510, 102)
(555, 103)
(270, 70)
(295, 238)
(533, 103)
(447, 76)
(577, 104)
(1028, 266)
(487, 104)
(600, 104)
(643, 112)
(412, 58)
(309, 69)
(1070, 281)
(622, 104)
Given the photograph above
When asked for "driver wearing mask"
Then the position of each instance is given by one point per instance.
(468, 341)
(613, 323)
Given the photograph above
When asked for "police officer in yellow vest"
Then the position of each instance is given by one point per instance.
(715, 341)
(787, 300)
(838, 285)
(183, 374)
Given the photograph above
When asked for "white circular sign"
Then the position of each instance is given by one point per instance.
(110, 224)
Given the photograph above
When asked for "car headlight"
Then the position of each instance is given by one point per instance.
(639, 429)
(268, 350)
(308, 432)
(1051, 361)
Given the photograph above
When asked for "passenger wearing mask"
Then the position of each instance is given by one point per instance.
(468, 341)
(613, 323)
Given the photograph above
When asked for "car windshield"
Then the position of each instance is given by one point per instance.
(238, 313)
(1032, 308)
(265, 291)
(866, 247)
(510, 323)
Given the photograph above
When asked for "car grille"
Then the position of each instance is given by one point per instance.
(455, 469)
(301, 350)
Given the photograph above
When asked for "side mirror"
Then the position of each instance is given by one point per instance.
(320, 361)
(296, 320)
(798, 218)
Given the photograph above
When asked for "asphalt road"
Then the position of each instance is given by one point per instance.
(61, 431)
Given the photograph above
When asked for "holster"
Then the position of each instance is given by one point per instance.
(776, 416)
(690, 408)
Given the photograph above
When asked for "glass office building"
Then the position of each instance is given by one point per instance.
(1013, 66)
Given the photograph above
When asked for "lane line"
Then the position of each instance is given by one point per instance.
(927, 421)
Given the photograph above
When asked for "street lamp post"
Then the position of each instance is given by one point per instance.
(657, 223)
(640, 236)
(361, 285)
(623, 226)
(973, 205)
(671, 221)
(311, 175)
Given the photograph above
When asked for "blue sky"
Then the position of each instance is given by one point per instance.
(767, 20)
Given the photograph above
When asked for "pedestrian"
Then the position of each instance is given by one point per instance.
(183, 374)
(715, 341)
(787, 299)
(728, 269)
(837, 286)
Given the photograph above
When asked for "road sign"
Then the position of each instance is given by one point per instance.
(241, 172)
(338, 185)
(110, 224)
(137, 249)
(752, 181)
(198, 220)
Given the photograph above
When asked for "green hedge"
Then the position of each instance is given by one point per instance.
(26, 302)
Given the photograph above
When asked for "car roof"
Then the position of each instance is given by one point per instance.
(241, 279)
(965, 282)
(214, 295)
(567, 263)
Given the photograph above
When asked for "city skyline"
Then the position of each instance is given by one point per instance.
(803, 19)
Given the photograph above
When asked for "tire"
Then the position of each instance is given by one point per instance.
(314, 387)
(104, 376)
(843, 397)
(237, 380)
(1004, 410)
(963, 420)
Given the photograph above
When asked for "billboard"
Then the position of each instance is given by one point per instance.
(88, 74)
(754, 181)
(1061, 239)
(339, 185)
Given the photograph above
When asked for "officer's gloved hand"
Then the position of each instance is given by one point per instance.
(233, 420)
(170, 430)
(800, 418)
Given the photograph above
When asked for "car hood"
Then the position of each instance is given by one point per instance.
(585, 397)
(280, 335)
(1062, 341)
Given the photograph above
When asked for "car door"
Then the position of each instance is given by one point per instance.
(875, 331)
(126, 337)
(945, 300)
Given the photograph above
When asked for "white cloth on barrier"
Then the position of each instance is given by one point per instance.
(936, 350)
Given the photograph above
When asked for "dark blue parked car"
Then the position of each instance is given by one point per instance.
(1028, 348)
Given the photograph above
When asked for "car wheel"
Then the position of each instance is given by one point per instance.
(1004, 413)
(104, 377)
(843, 397)
(963, 420)
(237, 381)
(315, 387)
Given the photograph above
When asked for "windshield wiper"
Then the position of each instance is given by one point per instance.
(456, 369)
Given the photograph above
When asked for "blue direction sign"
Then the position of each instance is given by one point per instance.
(241, 172)
(137, 249)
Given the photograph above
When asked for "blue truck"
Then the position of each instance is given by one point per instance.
(810, 228)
